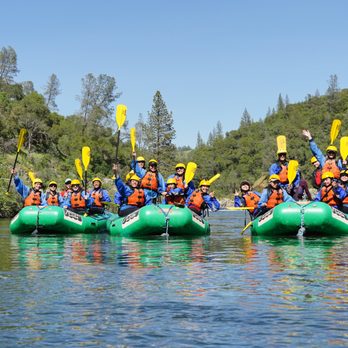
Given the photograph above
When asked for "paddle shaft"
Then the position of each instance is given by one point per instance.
(13, 168)
(117, 144)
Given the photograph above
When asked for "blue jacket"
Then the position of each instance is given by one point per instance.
(174, 192)
(105, 195)
(339, 192)
(123, 191)
(211, 202)
(239, 201)
(61, 199)
(319, 155)
(265, 196)
(275, 168)
(24, 190)
(190, 185)
(89, 200)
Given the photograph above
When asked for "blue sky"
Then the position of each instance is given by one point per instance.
(209, 59)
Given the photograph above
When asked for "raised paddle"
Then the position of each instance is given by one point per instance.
(121, 111)
(292, 170)
(78, 166)
(335, 128)
(86, 157)
(21, 137)
(344, 148)
(190, 171)
(32, 176)
(281, 144)
(132, 138)
(215, 177)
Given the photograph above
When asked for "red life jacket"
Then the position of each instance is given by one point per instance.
(316, 178)
(275, 198)
(95, 195)
(33, 198)
(137, 198)
(52, 199)
(77, 201)
(175, 199)
(149, 181)
(331, 166)
(251, 200)
(328, 196)
(283, 174)
(196, 201)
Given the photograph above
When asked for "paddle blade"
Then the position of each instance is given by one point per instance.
(86, 156)
(335, 128)
(246, 227)
(21, 138)
(78, 166)
(190, 171)
(132, 138)
(32, 176)
(121, 111)
(344, 147)
(292, 170)
(281, 143)
(215, 177)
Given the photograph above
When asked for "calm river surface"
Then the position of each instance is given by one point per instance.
(221, 290)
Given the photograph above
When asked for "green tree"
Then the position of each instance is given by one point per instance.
(246, 119)
(51, 91)
(8, 65)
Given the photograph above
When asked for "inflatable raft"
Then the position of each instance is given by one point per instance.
(158, 219)
(56, 220)
(293, 219)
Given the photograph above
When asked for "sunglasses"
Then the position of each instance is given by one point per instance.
(275, 181)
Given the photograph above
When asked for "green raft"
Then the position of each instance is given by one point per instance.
(56, 220)
(158, 219)
(293, 219)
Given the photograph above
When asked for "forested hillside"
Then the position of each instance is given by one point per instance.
(54, 141)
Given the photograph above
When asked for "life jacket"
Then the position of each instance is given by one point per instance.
(137, 198)
(175, 199)
(251, 199)
(275, 197)
(77, 201)
(179, 181)
(65, 192)
(283, 174)
(328, 196)
(196, 201)
(149, 181)
(316, 178)
(331, 166)
(33, 198)
(95, 195)
(52, 199)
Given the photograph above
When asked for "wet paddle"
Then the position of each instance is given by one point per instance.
(246, 227)
(121, 111)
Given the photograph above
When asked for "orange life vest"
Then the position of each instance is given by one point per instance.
(275, 198)
(137, 198)
(196, 201)
(251, 200)
(179, 181)
(328, 196)
(175, 199)
(97, 202)
(331, 166)
(33, 198)
(52, 199)
(149, 181)
(283, 174)
(77, 201)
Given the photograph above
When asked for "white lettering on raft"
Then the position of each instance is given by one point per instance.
(198, 220)
(72, 217)
(130, 219)
(265, 217)
(338, 215)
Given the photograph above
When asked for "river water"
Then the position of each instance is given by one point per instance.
(221, 290)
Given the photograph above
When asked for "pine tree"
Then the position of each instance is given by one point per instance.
(52, 90)
(246, 119)
(8, 65)
(200, 141)
(280, 104)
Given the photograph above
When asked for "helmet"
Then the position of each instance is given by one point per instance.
(153, 161)
(180, 165)
(171, 181)
(274, 177)
(331, 148)
(314, 159)
(96, 179)
(37, 180)
(75, 182)
(327, 175)
(67, 181)
(281, 151)
(129, 175)
(344, 172)
(245, 182)
(134, 177)
(204, 183)
(52, 183)
(140, 159)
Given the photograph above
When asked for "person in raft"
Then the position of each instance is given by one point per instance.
(78, 200)
(130, 196)
(140, 161)
(151, 181)
(247, 198)
(117, 196)
(175, 195)
(201, 199)
(52, 196)
(316, 174)
(30, 196)
(99, 196)
(329, 163)
(330, 193)
(179, 176)
(273, 195)
(343, 182)
(64, 193)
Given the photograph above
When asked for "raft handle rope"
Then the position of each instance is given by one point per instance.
(302, 228)
(36, 231)
(166, 216)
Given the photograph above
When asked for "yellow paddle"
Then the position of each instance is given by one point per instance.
(281, 143)
(335, 128)
(344, 148)
(215, 177)
(21, 137)
(32, 176)
(132, 138)
(240, 208)
(246, 227)
(78, 166)
(121, 111)
(292, 170)
(86, 157)
(190, 171)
